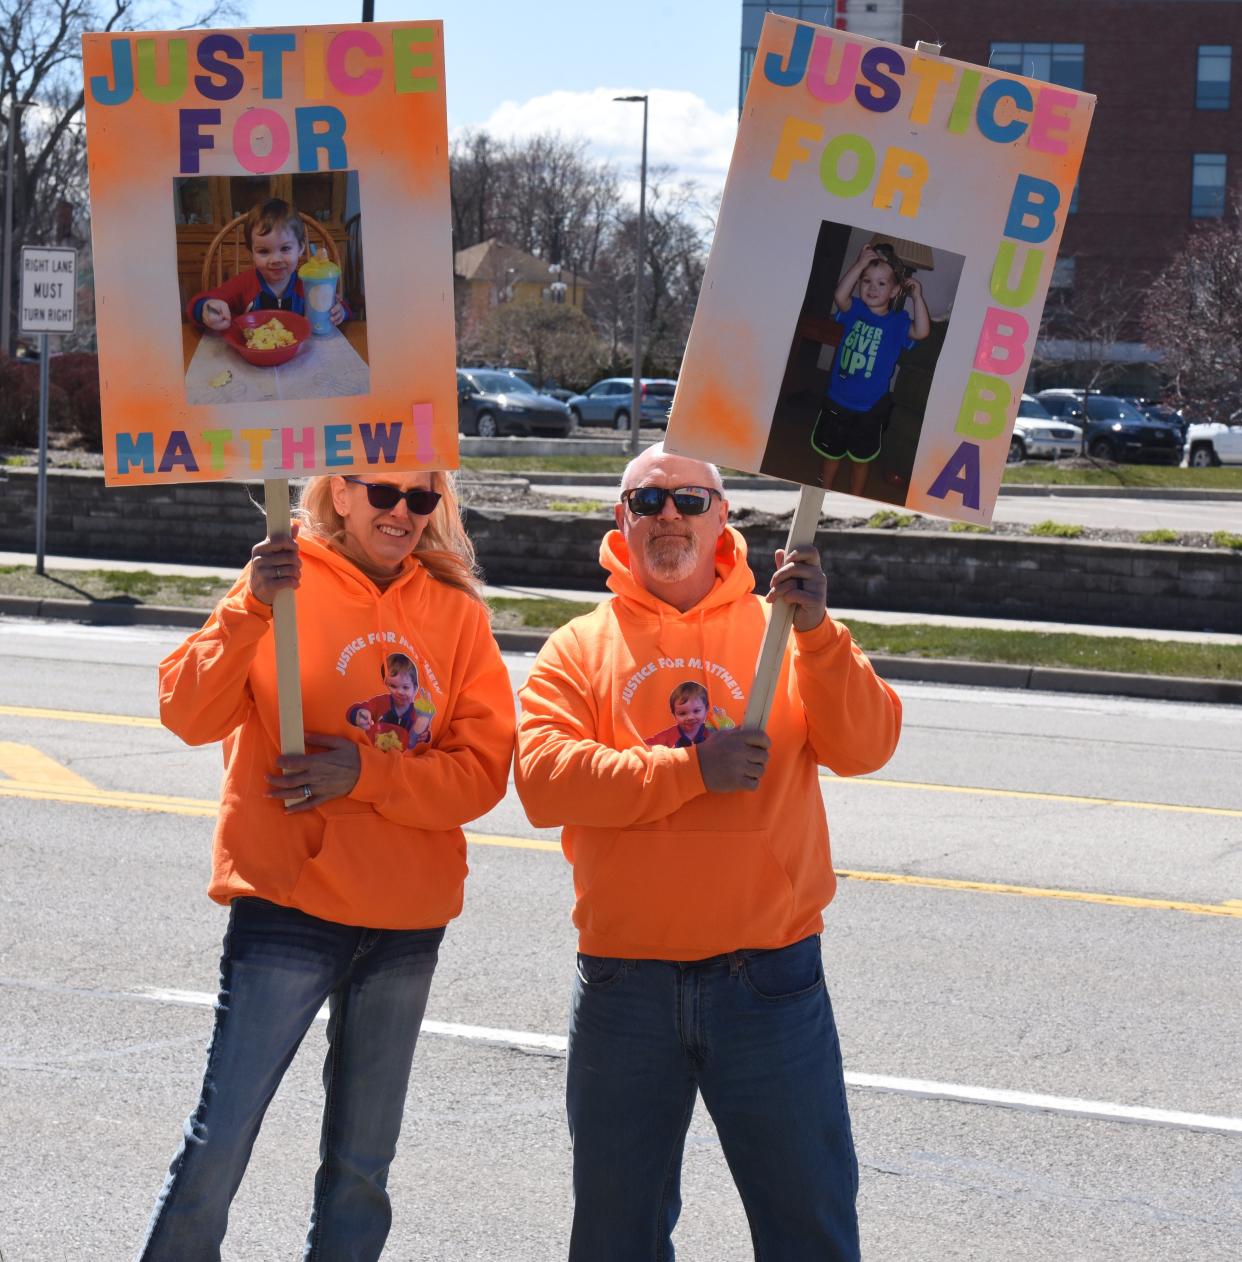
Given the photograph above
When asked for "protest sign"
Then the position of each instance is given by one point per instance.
(221, 164)
(883, 251)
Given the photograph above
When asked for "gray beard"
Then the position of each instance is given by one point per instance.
(671, 559)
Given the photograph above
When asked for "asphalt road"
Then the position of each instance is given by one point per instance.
(1104, 974)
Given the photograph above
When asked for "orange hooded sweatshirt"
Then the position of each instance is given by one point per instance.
(390, 855)
(662, 868)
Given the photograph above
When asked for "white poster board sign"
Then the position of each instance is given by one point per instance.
(882, 254)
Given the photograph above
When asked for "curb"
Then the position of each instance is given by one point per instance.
(916, 669)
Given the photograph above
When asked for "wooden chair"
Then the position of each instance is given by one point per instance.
(231, 234)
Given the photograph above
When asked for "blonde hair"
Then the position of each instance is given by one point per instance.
(444, 550)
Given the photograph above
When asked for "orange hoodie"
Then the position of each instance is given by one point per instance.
(392, 854)
(662, 868)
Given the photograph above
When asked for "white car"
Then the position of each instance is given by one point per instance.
(1212, 443)
(1037, 433)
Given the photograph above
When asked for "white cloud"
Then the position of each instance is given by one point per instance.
(683, 131)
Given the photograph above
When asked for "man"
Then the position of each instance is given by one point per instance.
(700, 876)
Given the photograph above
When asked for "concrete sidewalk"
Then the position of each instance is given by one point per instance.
(880, 616)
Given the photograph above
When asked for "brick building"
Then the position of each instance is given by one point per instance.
(1165, 149)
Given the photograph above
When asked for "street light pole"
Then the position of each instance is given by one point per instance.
(6, 271)
(636, 394)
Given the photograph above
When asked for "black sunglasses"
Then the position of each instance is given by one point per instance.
(380, 495)
(647, 501)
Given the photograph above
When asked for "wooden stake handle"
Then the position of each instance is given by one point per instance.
(285, 619)
(801, 533)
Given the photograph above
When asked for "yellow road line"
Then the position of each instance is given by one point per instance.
(1232, 908)
(515, 843)
(206, 808)
(109, 797)
(133, 720)
(78, 716)
(1074, 799)
(24, 762)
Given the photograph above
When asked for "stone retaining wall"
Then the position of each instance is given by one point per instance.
(922, 572)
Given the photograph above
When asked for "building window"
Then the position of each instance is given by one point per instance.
(1207, 186)
(748, 66)
(1053, 63)
(1062, 274)
(824, 14)
(1212, 79)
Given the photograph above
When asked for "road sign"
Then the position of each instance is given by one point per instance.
(49, 289)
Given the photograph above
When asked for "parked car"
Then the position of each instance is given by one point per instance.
(1211, 443)
(1115, 429)
(1039, 434)
(548, 387)
(608, 402)
(491, 403)
(1163, 413)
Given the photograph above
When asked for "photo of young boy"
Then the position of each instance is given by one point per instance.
(871, 305)
(401, 717)
(271, 287)
(276, 238)
(696, 718)
(861, 362)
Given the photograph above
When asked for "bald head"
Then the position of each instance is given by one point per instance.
(689, 472)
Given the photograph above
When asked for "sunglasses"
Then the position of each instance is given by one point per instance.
(647, 501)
(380, 495)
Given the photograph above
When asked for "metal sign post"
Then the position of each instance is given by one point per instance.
(49, 294)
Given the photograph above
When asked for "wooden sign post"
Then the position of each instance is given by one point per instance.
(285, 627)
(801, 533)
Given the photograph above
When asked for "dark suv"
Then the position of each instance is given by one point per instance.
(492, 403)
(1115, 429)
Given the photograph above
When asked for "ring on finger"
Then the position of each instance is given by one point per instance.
(307, 791)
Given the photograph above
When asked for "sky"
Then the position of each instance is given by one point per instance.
(518, 68)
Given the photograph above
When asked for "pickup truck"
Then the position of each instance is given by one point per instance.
(1213, 443)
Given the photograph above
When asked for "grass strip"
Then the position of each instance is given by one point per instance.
(1125, 654)
(134, 587)
(1066, 650)
(1126, 475)
(535, 613)
(1023, 648)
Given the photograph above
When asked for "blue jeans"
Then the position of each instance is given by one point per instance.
(752, 1032)
(277, 968)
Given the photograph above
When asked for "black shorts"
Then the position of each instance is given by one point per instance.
(840, 434)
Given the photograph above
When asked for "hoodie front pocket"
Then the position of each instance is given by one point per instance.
(688, 892)
(369, 871)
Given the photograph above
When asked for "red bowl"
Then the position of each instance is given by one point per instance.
(235, 336)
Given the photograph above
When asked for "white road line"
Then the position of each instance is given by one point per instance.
(1066, 1106)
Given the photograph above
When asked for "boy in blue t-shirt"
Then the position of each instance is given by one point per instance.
(877, 330)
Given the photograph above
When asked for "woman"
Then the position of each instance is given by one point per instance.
(341, 867)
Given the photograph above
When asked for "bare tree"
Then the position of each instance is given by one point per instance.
(42, 97)
(1193, 315)
(555, 340)
(674, 259)
(542, 195)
